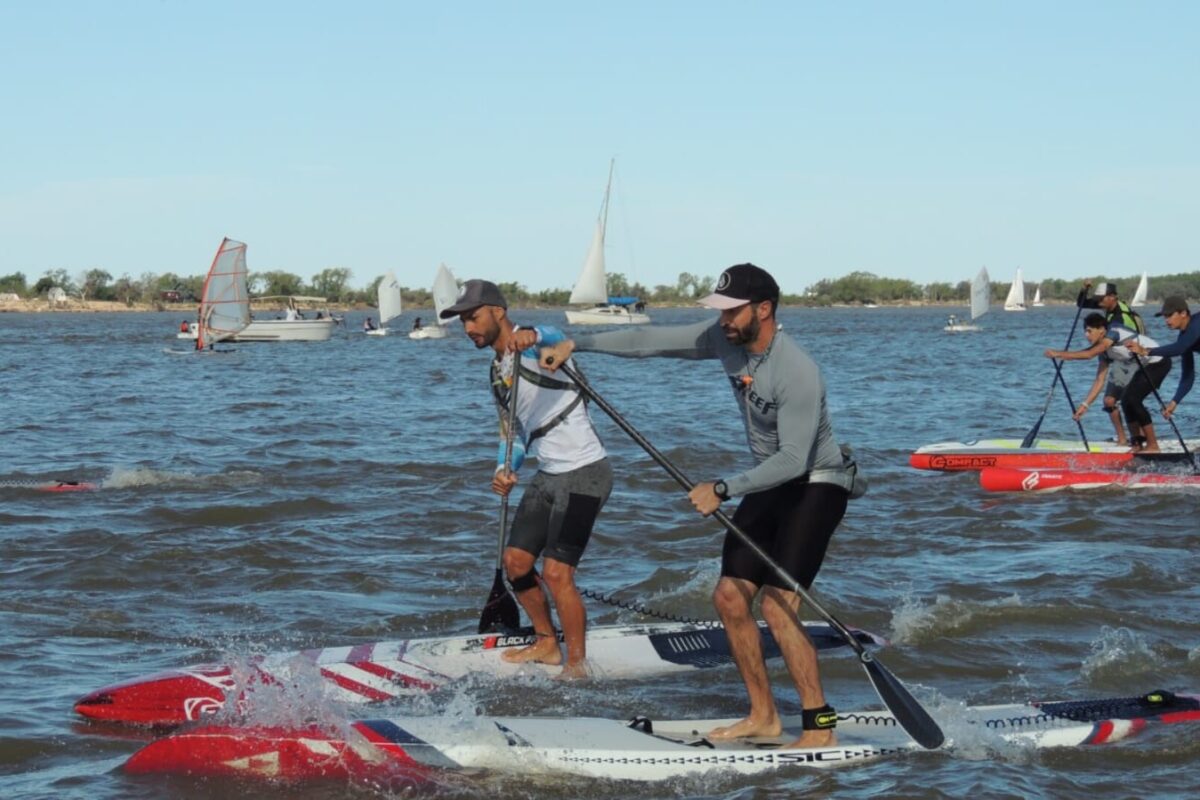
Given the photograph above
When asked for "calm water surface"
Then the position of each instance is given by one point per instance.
(285, 496)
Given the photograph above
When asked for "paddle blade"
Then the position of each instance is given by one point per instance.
(908, 712)
(1027, 442)
(500, 612)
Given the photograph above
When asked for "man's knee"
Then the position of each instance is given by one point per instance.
(733, 595)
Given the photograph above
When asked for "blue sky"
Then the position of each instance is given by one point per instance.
(916, 140)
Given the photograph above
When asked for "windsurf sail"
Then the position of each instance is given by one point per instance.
(1016, 294)
(445, 292)
(1139, 297)
(225, 302)
(389, 298)
(592, 285)
(981, 293)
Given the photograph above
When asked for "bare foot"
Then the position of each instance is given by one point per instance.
(746, 728)
(1151, 450)
(543, 651)
(574, 672)
(825, 738)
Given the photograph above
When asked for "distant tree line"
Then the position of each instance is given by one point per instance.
(334, 284)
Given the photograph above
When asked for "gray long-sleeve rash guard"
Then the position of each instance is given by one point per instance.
(783, 406)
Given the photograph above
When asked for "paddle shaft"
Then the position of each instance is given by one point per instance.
(910, 714)
(721, 517)
(1033, 432)
(510, 426)
(1162, 405)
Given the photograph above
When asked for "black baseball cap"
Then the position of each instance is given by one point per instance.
(1106, 288)
(741, 284)
(1173, 305)
(473, 294)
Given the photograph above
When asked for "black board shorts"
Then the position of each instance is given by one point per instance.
(557, 512)
(793, 523)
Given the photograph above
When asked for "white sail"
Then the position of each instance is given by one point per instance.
(389, 298)
(225, 302)
(1037, 296)
(592, 285)
(981, 293)
(1016, 294)
(445, 292)
(1139, 297)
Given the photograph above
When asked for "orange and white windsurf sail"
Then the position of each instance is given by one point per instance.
(225, 303)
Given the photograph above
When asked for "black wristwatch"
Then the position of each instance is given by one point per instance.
(721, 490)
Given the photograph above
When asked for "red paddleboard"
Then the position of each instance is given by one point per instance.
(997, 479)
(281, 754)
(51, 486)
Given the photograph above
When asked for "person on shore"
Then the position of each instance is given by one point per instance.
(1178, 316)
(792, 499)
(1111, 345)
(558, 510)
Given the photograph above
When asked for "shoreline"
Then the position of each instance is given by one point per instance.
(188, 310)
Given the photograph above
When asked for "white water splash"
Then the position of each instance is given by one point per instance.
(1118, 653)
(135, 477)
(914, 621)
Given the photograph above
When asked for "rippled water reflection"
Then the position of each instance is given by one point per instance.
(288, 496)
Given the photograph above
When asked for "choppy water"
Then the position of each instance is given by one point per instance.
(299, 495)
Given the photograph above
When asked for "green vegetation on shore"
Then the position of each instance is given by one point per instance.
(334, 284)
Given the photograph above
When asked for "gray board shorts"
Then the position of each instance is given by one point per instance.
(557, 512)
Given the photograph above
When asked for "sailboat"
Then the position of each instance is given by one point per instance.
(981, 298)
(1037, 297)
(1016, 294)
(445, 292)
(388, 294)
(1139, 297)
(225, 302)
(592, 285)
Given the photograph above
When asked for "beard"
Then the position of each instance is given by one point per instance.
(486, 337)
(742, 335)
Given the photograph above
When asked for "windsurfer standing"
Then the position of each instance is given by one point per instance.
(794, 498)
(559, 507)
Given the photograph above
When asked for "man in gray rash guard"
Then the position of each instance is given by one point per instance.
(793, 498)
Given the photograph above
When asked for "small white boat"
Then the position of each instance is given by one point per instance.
(388, 294)
(981, 296)
(445, 292)
(592, 285)
(1016, 294)
(1037, 297)
(1139, 297)
(295, 326)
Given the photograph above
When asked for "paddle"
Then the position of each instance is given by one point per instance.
(500, 611)
(908, 712)
(1191, 459)
(1027, 442)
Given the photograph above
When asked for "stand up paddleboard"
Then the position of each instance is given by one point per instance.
(50, 486)
(370, 673)
(1045, 454)
(996, 479)
(413, 748)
